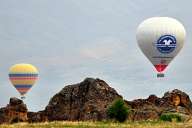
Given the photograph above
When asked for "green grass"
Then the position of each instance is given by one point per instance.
(171, 117)
(107, 124)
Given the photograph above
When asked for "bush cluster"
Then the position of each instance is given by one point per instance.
(171, 117)
(118, 110)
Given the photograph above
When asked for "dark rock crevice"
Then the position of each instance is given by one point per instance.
(71, 99)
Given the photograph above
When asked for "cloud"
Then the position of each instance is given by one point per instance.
(103, 49)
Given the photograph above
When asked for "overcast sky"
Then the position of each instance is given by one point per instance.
(69, 40)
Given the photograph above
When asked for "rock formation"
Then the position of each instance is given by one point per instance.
(15, 111)
(151, 108)
(87, 100)
(37, 117)
(90, 99)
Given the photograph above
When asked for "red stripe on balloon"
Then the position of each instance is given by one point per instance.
(23, 78)
(23, 89)
(160, 67)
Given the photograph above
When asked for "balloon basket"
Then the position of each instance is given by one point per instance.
(22, 97)
(159, 75)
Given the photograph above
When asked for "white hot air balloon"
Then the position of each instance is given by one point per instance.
(160, 39)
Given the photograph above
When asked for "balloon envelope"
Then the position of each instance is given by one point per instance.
(160, 39)
(23, 77)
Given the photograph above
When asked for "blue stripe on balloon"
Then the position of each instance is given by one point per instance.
(23, 75)
(23, 86)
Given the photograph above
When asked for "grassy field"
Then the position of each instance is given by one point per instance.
(68, 124)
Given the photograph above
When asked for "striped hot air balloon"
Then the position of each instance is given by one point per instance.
(23, 77)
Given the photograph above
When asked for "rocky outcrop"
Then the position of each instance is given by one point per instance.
(90, 99)
(87, 100)
(151, 108)
(15, 111)
(37, 117)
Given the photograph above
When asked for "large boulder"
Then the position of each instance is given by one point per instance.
(87, 100)
(15, 111)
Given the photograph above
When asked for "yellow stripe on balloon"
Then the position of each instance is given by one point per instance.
(23, 82)
(22, 69)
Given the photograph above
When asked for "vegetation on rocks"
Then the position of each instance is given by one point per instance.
(171, 117)
(118, 110)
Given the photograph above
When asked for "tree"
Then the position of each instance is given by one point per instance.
(118, 110)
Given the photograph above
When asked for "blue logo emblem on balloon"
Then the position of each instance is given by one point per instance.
(166, 44)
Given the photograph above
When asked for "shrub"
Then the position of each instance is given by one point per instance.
(118, 110)
(171, 117)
